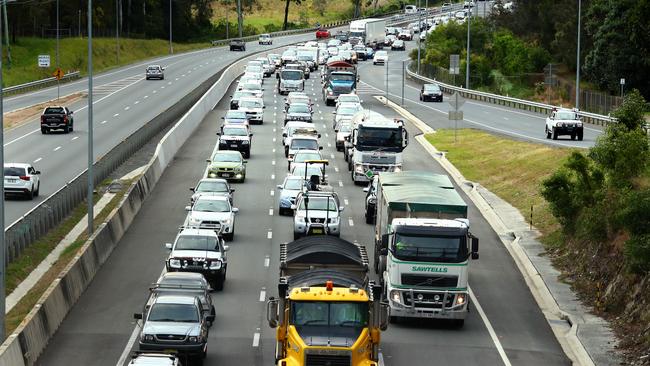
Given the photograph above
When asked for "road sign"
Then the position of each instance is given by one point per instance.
(369, 174)
(622, 81)
(455, 115)
(58, 74)
(454, 64)
(43, 60)
(456, 101)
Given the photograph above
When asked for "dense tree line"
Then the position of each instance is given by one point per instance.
(615, 39)
(137, 18)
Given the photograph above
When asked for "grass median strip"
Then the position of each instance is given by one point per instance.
(511, 169)
(18, 270)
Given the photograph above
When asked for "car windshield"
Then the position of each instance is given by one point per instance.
(211, 186)
(304, 57)
(381, 54)
(301, 157)
(299, 100)
(347, 111)
(346, 127)
(203, 205)
(251, 68)
(234, 131)
(235, 115)
(252, 86)
(431, 87)
(348, 99)
(319, 204)
(250, 103)
(331, 320)
(299, 108)
(196, 242)
(185, 313)
(153, 68)
(14, 172)
(54, 110)
(565, 115)
(448, 249)
(299, 170)
(166, 280)
(228, 158)
(294, 184)
(304, 144)
(379, 137)
(291, 75)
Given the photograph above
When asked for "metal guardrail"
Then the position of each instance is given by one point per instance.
(38, 84)
(588, 117)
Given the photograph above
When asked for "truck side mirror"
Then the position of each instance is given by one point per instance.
(474, 248)
(385, 238)
(272, 312)
(384, 316)
(168, 246)
(137, 316)
(210, 318)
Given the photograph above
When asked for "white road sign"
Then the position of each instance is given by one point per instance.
(43, 60)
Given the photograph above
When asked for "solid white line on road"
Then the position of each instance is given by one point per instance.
(127, 108)
(270, 212)
(267, 261)
(74, 138)
(269, 235)
(57, 148)
(116, 115)
(350, 222)
(262, 295)
(488, 325)
(256, 339)
(136, 102)
(37, 160)
(272, 193)
(345, 200)
(340, 183)
(104, 122)
(129, 344)
(145, 97)
(274, 139)
(272, 176)
(272, 162)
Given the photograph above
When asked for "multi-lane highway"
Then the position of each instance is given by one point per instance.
(123, 102)
(504, 327)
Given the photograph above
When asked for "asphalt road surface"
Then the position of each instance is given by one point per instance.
(509, 328)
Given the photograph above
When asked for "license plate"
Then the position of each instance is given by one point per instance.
(317, 231)
(10, 180)
(227, 175)
(233, 145)
(169, 351)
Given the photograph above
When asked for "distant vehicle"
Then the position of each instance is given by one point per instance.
(57, 118)
(254, 109)
(238, 44)
(22, 178)
(236, 137)
(227, 164)
(298, 112)
(289, 55)
(431, 92)
(343, 129)
(322, 33)
(184, 283)
(154, 359)
(235, 117)
(276, 59)
(405, 35)
(212, 187)
(267, 66)
(289, 189)
(234, 100)
(410, 9)
(398, 44)
(255, 88)
(212, 213)
(265, 38)
(316, 213)
(564, 121)
(301, 156)
(155, 72)
(381, 57)
(302, 142)
(371, 201)
(290, 80)
(389, 39)
(344, 112)
(446, 6)
(181, 319)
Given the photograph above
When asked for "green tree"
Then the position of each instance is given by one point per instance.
(286, 11)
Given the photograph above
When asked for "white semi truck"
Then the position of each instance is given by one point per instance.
(423, 246)
(370, 31)
(375, 145)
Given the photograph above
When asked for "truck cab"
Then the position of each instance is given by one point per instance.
(339, 78)
(290, 80)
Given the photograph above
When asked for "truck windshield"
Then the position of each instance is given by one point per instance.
(446, 249)
(195, 242)
(291, 75)
(342, 77)
(379, 137)
(185, 313)
(326, 320)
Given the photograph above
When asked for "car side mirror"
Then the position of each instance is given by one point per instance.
(320, 148)
(218, 133)
(188, 208)
(71, 112)
(235, 210)
(208, 160)
(366, 189)
(319, 135)
(474, 248)
(335, 131)
(137, 316)
(279, 186)
(223, 117)
(284, 135)
(192, 189)
(168, 246)
(264, 107)
(245, 161)
(37, 172)
(293, 207)
(250, 135)
(272, 312)
(226, 248)
(341, 208)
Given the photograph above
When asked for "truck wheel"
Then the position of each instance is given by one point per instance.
(548, 133)
(573, 136)
(44, 130)
(368, 218)
(555, 134)
(580, 135)
(349, 164)
(71, 126)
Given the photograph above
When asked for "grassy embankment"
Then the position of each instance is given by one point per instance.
(74, 55)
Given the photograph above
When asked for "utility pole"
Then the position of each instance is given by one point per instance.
(58, 84)
(2, 210)
(578, 59)
(403, 81)
(4, 8)
(467, 62)
(227, 20)
(117, 28)
(419, 39)
(240, 19)
(79, 28)
(171, 48)
(91, 182)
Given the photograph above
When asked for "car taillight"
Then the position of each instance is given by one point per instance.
(42, 118)
(65, 119)
(24, 177)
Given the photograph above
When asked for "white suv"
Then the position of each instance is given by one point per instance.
(316, 213)
(563, 121)
(212, 212)
(22, 179)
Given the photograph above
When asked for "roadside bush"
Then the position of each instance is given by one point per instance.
(637, 253)
(622, 153)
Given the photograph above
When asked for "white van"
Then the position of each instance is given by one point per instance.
(410, 9)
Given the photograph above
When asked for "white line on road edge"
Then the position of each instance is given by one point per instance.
(340, 183)
(272, 193)
(262, 295)
(267, 261)
(39, 159)
(129, 344)
(74, 138)
(127, 108)
(350, 222)
(272, 176)
(57, 148)
(104, 122)
(116, 115)
(488, 325)
(270, 212)
(256, 339)
(269, 235)
(345, 200)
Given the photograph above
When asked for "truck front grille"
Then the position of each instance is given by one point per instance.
(170, 337)
(327, 360)
(429, 281)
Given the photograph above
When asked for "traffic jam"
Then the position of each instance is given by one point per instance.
(422, 247)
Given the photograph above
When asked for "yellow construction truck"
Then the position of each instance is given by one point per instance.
(328, 312)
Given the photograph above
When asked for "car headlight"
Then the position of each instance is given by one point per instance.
(175, 263)
(579, 124)
(395, 296)
(558, 124)
(245, 142)
(358, 168)
(300, 219)
(397, 168)
(194, 221)
(148, 337)
(460, 299)
(329, 92)
(194, 339)
(215, 265)
(334, 220)
(225, 222)
(212, 174)
(372, 200)
(238, 169)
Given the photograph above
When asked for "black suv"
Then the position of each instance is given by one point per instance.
(236, 137)
(238, 44)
